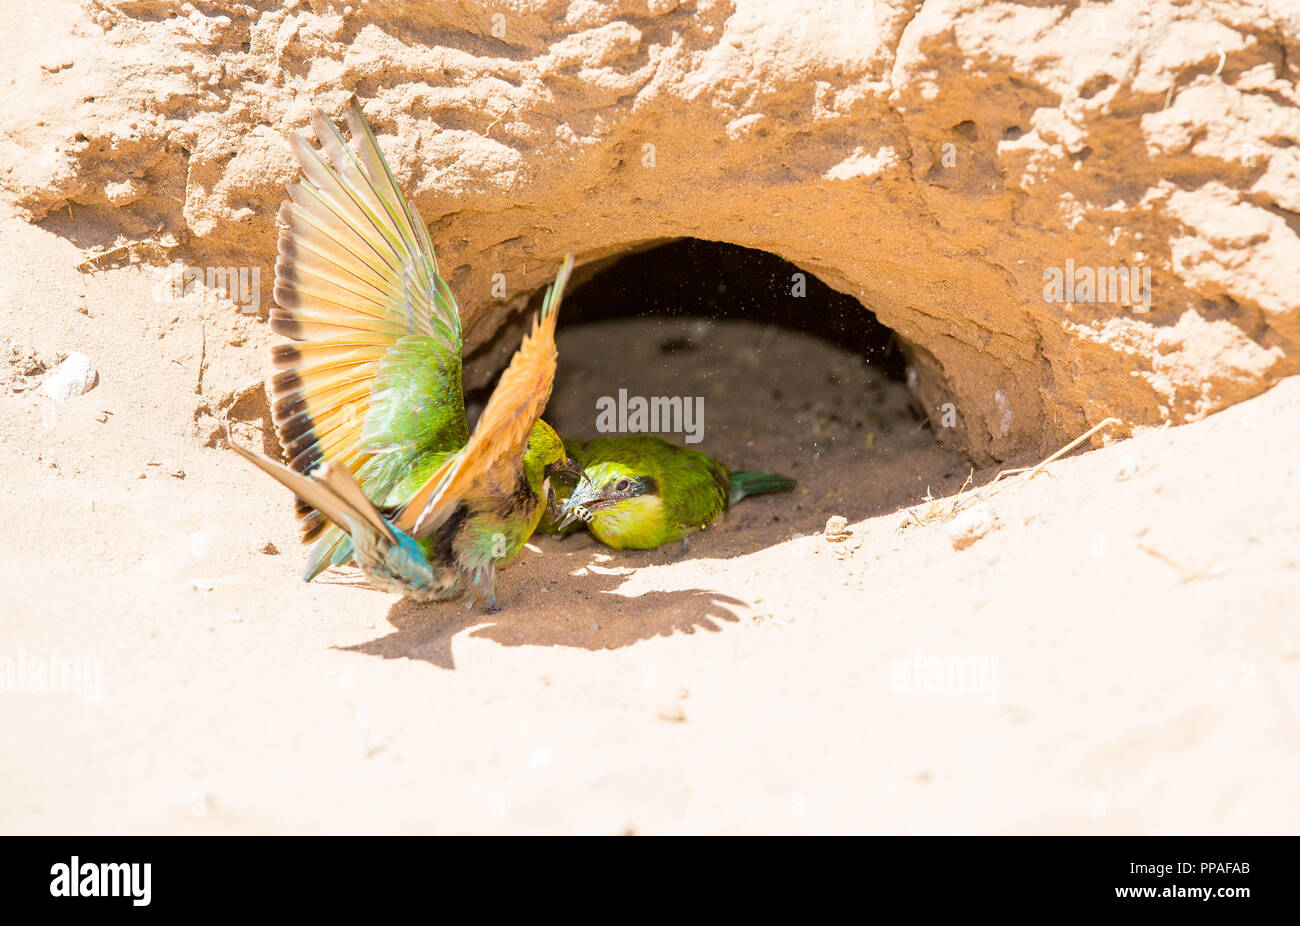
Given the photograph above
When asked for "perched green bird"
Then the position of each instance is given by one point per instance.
(368, 402)
(641, 491)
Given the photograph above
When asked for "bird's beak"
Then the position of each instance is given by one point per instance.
(577, 506)
(572, 469)
(568, 468)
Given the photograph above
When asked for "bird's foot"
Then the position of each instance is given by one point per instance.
(683, 550)
(485, 582)
(490, 580)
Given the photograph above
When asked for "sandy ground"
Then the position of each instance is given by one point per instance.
(1120, 654)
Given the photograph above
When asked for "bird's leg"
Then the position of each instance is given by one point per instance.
(685, 548)
(490, 580)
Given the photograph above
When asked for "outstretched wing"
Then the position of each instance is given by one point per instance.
(371, 379)
(502, 431)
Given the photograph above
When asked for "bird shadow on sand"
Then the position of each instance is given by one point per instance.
(578, 593)
(576, 603)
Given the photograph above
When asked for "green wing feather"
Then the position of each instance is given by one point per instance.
(371, 378)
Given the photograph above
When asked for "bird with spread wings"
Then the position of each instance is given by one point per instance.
(367, 397)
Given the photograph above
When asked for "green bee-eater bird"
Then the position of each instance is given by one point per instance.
(368, 401)
(641, 491)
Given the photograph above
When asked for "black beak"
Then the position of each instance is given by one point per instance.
(570, 468)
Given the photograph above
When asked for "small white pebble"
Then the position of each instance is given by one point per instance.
(970, 526)
(837, 527)
(73, 377)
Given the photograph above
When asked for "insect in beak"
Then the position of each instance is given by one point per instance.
(576, 507)
(571, 513)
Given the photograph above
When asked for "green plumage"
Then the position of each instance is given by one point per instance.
(416, 420)
(642, 491)
(368, 399)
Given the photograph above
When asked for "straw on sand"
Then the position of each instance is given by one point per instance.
(946, 509)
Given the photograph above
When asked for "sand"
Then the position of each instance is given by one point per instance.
(1115, 648)
(1119, 654)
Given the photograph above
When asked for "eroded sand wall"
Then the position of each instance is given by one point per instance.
(940, 161)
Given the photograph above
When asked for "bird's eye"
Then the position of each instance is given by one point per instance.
(622, 485)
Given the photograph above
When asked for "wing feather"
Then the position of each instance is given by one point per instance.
(502, 431)
(356, 275)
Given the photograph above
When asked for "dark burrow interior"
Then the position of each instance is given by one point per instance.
(798, 380)
(693, 278)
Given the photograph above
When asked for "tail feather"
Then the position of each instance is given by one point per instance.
(330, 489)
(334, 548)
(745, 484)
(390, 558)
